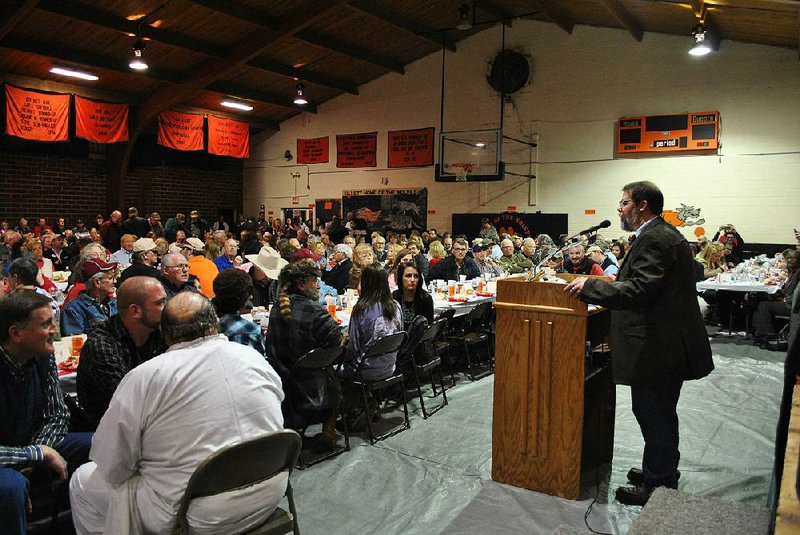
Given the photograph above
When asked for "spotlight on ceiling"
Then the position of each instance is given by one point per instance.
(72, 73)
(464, 22)
(299, 98)
(138, 63)
(236, 105)
(701, 45)
(288, 155)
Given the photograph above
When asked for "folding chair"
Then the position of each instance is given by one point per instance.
(473, 334)
(427, 344)
(387, 344)
(245, 464)
(315, 365)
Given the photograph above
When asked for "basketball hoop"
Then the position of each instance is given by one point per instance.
(463, 170)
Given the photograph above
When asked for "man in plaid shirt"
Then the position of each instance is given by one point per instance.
(33, 416)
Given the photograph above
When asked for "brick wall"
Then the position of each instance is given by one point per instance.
(46, 185)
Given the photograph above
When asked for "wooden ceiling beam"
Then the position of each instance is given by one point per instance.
(496, 11)
(88, 91)
(369, 8)
(256, 123)
(240, 91)
(88, 60)
(99, 17)
(304, 75)
(559, 19)
(351, 51)
(624, 17)
(211, 71)
(13, 16)
(240, 12)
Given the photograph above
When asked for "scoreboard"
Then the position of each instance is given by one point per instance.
(665, 133)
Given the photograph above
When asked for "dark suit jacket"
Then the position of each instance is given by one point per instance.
(339, 277)
(657, 332)
(446, 269)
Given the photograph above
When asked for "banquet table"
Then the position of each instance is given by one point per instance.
(67, 377)
(737, 286)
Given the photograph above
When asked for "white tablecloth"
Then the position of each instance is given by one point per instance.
(737, 286)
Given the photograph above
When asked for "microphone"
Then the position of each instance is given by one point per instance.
(604, 224)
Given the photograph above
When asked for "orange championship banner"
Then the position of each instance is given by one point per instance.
(100, 122)
(356, 150)
(227, 137)
(313, 150)
(180, 131)
(36, 116)
(411, 148)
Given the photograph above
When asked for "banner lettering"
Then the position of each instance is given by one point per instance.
(101, 122)
(180, 131)
(411, 148)
(313, 150)
(356, 150)
(37, 116)
(227, 137)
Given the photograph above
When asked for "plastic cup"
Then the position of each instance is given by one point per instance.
(451, 288)
(77, 345)
(462, 278)
(332, 310)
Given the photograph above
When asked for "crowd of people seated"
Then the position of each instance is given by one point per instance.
(183, 290)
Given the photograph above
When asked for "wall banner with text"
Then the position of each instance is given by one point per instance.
(180, 131)
(411, 148)
(101, 122)
(36, 116)
(227, 137)
(313, 150)
(356, 150)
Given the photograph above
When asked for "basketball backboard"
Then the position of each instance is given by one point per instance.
(470, 156)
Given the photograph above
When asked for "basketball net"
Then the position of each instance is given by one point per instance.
(462, 171)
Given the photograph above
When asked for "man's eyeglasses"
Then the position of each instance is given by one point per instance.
(459, 250)
(624, 203)
(183, 267)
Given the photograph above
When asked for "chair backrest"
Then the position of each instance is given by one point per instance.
(433, 330)
(241, 465)
(418, 327)
(446, 315)
(386, 344)
(477, 315)
(318, 358)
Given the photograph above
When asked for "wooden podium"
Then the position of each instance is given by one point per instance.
(553, 409)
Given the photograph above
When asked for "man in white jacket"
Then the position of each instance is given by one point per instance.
(166, 417)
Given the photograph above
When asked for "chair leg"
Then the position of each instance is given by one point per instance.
(368, 415)
(419, 392)
(405, 402)
(292, 509)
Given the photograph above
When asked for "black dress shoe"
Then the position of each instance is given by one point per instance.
(633, 495)
(636, 476)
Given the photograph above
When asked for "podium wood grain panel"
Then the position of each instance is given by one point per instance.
(538, 409)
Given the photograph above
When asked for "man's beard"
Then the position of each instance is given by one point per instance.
(628, 225)
(312, 293)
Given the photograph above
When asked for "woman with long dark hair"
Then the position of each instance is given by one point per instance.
(375, 315)
(414, 300)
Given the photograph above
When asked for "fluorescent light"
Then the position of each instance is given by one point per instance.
(236, 105)
(74, 74)
(480, 144)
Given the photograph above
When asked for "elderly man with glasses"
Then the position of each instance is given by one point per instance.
(95, 302)
(175, 275)
(456, 264)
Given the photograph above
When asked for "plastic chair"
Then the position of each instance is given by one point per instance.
(244, 464)
(428, 342)
(387, 344)
(473, 334)
(321, 360)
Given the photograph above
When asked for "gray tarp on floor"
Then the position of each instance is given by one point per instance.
(436, 476)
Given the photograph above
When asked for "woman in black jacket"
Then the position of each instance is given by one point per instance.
(413, 298)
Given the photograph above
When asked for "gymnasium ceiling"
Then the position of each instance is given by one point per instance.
(257, 51)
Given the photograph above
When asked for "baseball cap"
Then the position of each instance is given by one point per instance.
(93, 266)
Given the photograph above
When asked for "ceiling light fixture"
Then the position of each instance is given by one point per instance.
(138, 63)
(464, 22)
(299, 98)
(701, 45)
(480, 144)
(236, 105)
(63, 71)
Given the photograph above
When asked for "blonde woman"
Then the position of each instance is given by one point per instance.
(713, 259)
(436, 252)
(363, 256)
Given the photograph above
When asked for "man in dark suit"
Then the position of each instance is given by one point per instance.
(339, 276)
(658, 339)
